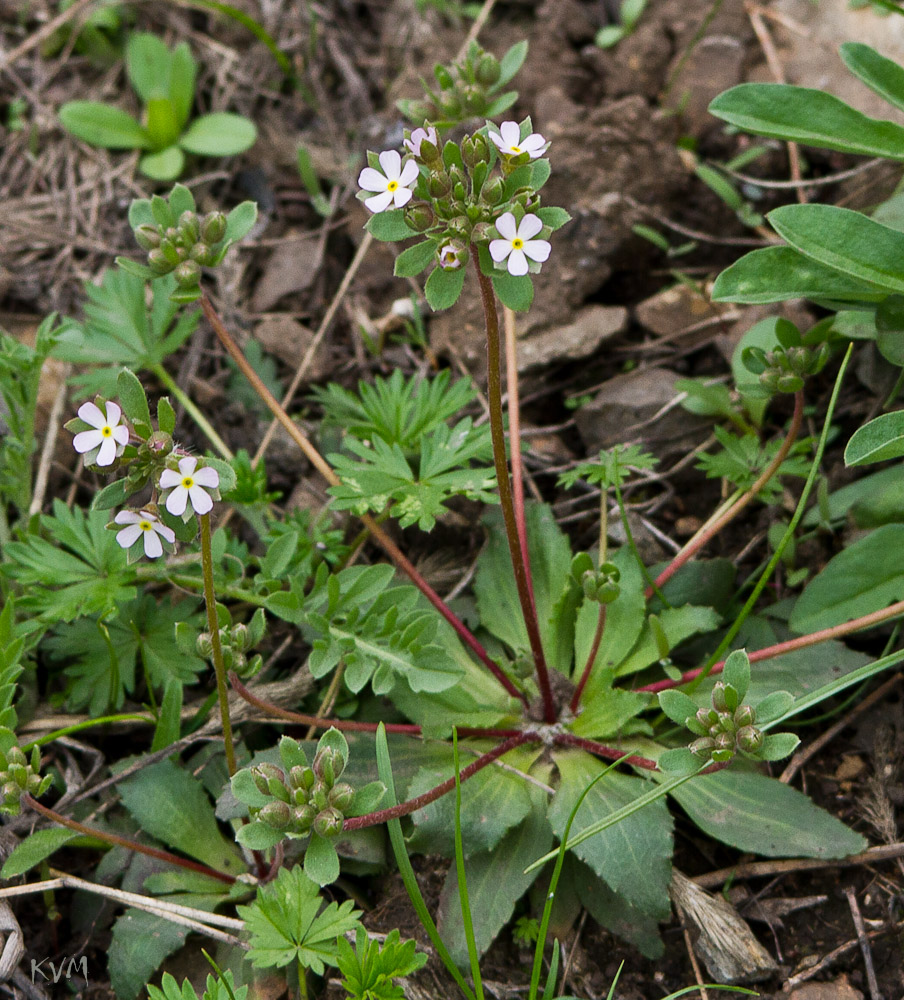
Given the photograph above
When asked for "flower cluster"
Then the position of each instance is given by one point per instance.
(480, 192)
(186, 488)
(19, 775)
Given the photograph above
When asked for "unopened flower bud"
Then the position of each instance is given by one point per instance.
(420, 217)
(341, 796)
(296, 777)
(263, 774)
(202, 253)
(451, 105)
(204, 649)
(474, 150)
(276, 814)
(187, 274)
(703, 747)
(491, 192)
(439, 184)
(718, 696)
(750, 739)
(300, 796)
(19, 774)
(724, 741)
(213, 228)
(328, 765)
(745, 716)
(239, 636)
(189, 226)
(11, 791)
(304, 817)
(15, 755)
(147, 237)
(443, 77)
(488, 70)
(319, 797)
(329, 822)
(169, 250)
(157, 261)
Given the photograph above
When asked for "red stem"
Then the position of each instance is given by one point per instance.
(404, 808)
(698, 541)
(131, 845)
(519, 554)
(601, 750)
(594, 649)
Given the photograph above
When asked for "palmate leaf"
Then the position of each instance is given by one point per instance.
(118, 329)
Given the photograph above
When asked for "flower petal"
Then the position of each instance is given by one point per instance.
(517, 263)
(401, 197)
(169, 478)
(128, 517)
(201, 502)
(86, 440)
(91, 414)
(372, 180)
(500, 249)
(152, 546)
(121, 434)
(391, 163)
(511, 133)
(533, 144)
(114, 412)
(379, 202)
(107, 453)
(188, 464)
(208, 477)
(128, 536)
(537, 250)
(166, 532)
(409, 174)
(497, 140)
(530, 226)
(176, 501)
(505, 226)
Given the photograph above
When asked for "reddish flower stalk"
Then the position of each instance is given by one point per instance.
(412, 805)
(324, 468)
(511, 516)
(131, 845)
(711, 530)
(594, 649)
(601, 750)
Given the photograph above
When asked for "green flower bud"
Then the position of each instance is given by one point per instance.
(474, 150)
(262, 774)
(213, 228)
(420, 217)
(276, 814)
(341, 796)
(724, 741)
(300, 796)
(718, 696)
(443, 77)
(296, 777)
(204, 647)
(745, 716)
(304, 817)
(451, 105)
(159, 444)
(170, 251)
(439, 184)
(201, 253)
(147, 237)
(15, 755)
(491, 192)
(703, 747)
(329, 822)
(328, 765)
(188, 274)
(11, 791)
(488, 70)
(750, 739)
(19, 774)
(157, 261)
(320, 795)
(189, 226)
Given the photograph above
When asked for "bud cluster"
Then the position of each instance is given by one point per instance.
(786, 367)
(19, 775)
(465, 89)
(235, 642)
(601, 584)
(183, 248)
(723, 730)
(306, 799)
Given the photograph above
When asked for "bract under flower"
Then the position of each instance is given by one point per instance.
(107, 432)
(393, 185)
(516, 243)
(143, 522)
(188, 485)
(510, 143)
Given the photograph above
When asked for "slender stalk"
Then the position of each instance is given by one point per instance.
(206, 427)
(520, 557)
(463, 899)
(412, 805)
(714, 527)
(87, 724)
(210, 600)
(348, 725)
(601, 750)
(131, 845)
(588, 666)
(379, 534)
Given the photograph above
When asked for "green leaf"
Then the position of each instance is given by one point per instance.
(321, 862)
(813, 117)
(148, 65)
(613, 912)
(172, 805)
(778, 746)
(112, 495)
(34, 849)
(219, 134)
(165, 165)
(141, 942)
(633, 857)
(183, 70)
(240, 220)
(677, 624)
(608, 36)
(736, 672)
(774, 274)
(865, 577)
(496, 881)
(553, 216)
(509, 64)
(412, 261)
(390, 226)
(258, 836)
(882, 75)
(845, 240)
(102, 125)
(134, 268)
(756, 813)
(677, 706)
(169, 721)
(134, 401)
(443, 287)
(878, 440)
(514, 291)
(166, 415)
(162, 126)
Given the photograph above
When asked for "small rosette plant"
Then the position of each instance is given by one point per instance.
(300, 800)
(475, 198)
(727, 726)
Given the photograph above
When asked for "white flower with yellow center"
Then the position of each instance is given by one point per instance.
(393, 185)
(188, 484)
(107, 432)
(143, 522)
(510, 143)
(517, 243)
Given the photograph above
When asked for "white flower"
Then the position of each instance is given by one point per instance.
(510, 143)
(450, 257)
(109, 433)
(413, 145)
(517, 244)
(393, 184)
(139, 523)
(188, 483)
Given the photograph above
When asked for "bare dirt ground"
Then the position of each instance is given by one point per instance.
(618, 120)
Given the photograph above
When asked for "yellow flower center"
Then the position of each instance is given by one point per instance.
(145, 525)
(517, 243)
(515, 149)
(392, 185)
(106, 431)
(188, 482)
